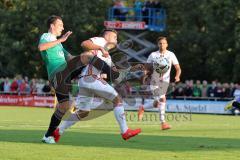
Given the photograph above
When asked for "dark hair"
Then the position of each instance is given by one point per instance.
(108, 30)
(161, 38)
(52, 19)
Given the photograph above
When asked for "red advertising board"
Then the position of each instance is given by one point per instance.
(124, 25)
(35, 101)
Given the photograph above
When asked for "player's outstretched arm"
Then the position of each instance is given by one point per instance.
(89, 45)
(47, 45)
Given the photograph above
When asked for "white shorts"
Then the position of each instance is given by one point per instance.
(159, 89)
(90, 88)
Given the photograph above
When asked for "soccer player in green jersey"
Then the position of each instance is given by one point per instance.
(55, 58)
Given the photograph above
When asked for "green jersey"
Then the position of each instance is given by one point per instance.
(54, 57)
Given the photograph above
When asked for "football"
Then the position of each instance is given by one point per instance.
(161, 65)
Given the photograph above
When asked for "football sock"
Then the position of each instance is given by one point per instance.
(71, 120)
(55, 121)
(162, 112)
(120, 117)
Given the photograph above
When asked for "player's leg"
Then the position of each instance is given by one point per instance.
(120, 116)
(163, 86)
(148, 105)
(88, 86)
(109, 93)
(60, 83)
(102, 89)
(82, 104)
(56, 118)
(141, 109)
(162, 109)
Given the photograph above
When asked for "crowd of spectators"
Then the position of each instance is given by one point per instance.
(23, 86)
(197, 89)
(204, 89)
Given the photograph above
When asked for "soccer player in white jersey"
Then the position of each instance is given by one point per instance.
(92, 84)
(159, 82)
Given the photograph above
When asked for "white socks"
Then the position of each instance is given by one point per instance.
(120, 117)
(162, 112)
(71, 120)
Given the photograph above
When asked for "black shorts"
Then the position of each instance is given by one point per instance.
(61, 82)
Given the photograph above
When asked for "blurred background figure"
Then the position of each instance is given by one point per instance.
(120, 10)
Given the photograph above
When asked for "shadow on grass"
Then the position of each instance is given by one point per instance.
(142, 142)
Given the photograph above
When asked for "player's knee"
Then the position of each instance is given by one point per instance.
(59, 113)
(117, 100)
(163, 99)
(64, 106)
(82, 114)
(156, 104)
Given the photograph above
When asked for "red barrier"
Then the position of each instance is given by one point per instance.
(35, 101)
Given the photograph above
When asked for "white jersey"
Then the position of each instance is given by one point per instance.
(154, 56)
(91, 70)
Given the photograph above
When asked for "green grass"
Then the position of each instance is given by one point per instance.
(196, 137)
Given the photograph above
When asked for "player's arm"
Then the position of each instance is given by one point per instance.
(89, 45)
(47, 45)
(178, 72)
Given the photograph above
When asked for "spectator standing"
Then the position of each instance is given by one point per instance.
(197, 89)
(138, 10)
(226, 90)
(188, 90)
(120, 10)
(1, 84)
(14, 86)
(218, 90)
(232, 89)
(33, 86)
(210, 90)
(204, 88)
(236, 92)
(39, 86)
(6, 86)
(148, 4)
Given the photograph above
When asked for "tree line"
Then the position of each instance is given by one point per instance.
(205, 35)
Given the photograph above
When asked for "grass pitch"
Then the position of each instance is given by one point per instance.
(192, 137)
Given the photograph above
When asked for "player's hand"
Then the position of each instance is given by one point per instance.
(104, 52)
(65, 36)
(177, 79)
(103, 76)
